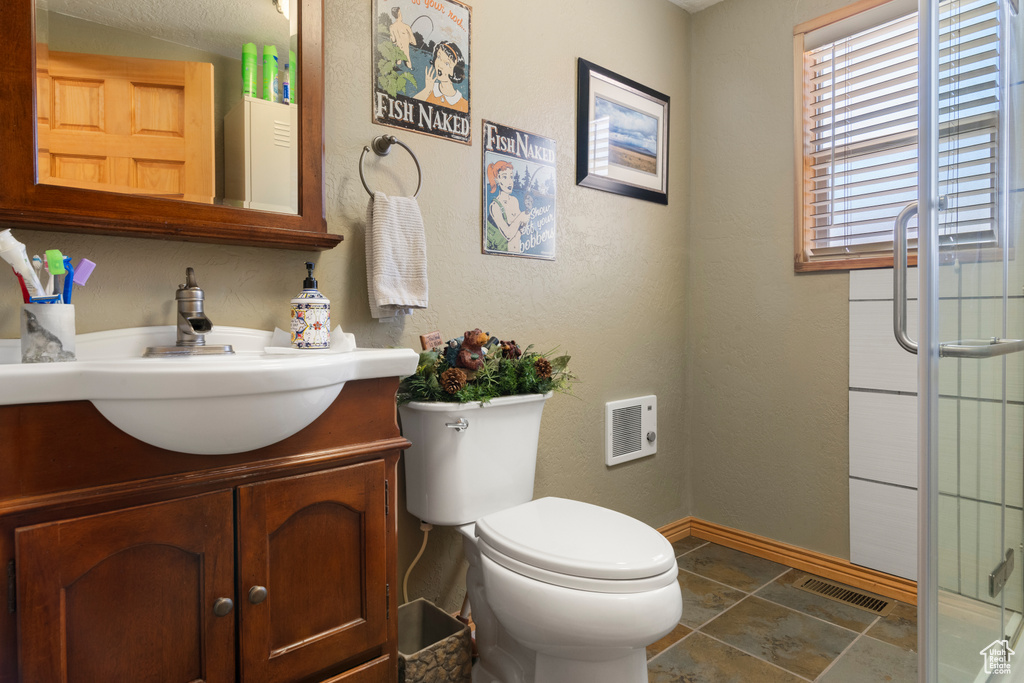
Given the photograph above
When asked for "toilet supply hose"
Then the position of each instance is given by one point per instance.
(426, 527)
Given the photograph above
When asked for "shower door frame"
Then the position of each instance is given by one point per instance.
(928, 343)
(929, 347)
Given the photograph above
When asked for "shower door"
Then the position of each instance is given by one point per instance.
(971, 256)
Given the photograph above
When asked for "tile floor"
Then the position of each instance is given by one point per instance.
(744, 622)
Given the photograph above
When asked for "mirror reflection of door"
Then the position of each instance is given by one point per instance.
(128, 125)
(151, 102)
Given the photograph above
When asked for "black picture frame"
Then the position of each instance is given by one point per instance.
(609, 105)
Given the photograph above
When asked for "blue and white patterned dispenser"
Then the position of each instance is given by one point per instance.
(311, 316)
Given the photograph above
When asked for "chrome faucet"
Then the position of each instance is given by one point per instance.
(192, 323)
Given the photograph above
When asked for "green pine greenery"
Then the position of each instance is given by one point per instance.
(498, 377)
(390, 78)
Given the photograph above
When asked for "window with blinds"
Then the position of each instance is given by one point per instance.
(860, 134)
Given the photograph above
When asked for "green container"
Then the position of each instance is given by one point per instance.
(271, 86)
(249, 70)
(293, 84)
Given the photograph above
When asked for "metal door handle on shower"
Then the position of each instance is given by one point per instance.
(899, 278)
(965, 348)
(980, 348)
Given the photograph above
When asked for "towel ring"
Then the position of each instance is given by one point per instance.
(382, 147)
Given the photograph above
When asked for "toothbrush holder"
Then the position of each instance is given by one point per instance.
(47, 333)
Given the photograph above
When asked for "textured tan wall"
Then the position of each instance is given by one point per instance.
(767, 349)
(613, 299)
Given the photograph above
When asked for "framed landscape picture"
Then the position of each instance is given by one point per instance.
(621, 135)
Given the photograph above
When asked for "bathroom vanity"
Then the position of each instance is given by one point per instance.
(128, 562)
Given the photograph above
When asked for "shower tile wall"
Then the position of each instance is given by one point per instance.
(971, 433)
(883, 436)
(883, 428)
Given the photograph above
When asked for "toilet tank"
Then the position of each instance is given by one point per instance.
(457, 476)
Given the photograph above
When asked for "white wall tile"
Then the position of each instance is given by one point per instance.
(986, 279)
(966, 560)
(980, 456)
(949, 280)
(883, 437)
(876, 283)
(883, 528)
(876, 360)
(1014, 590)
(948, 445)
(983, 319)
(949, 535)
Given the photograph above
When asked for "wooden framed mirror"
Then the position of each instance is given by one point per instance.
(34, 195)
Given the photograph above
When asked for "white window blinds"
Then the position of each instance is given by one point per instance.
(860, 132)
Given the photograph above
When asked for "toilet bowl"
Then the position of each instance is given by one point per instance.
(581, 637)
(584, 587)
(561, 591)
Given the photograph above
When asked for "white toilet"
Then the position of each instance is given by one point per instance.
(561, 591)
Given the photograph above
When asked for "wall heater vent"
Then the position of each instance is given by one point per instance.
(631, 428)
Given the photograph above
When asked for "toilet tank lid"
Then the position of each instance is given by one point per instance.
(578, 539)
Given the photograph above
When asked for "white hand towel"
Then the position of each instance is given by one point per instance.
(396, 256)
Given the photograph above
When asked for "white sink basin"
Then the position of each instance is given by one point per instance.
(197, 404)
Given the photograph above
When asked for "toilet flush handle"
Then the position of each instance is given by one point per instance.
(460, 425)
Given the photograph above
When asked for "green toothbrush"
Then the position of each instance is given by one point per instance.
(54, 264)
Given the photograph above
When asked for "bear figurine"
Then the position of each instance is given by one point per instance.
(471, 355)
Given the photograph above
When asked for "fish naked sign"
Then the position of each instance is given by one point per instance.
(421, 66)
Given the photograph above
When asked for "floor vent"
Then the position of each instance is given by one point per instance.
(846, 595)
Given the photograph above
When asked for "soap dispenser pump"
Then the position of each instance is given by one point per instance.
(311, 315)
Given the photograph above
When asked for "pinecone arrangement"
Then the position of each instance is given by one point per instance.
(452, 380)
(504, 369)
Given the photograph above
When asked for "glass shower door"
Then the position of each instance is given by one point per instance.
(972, 370)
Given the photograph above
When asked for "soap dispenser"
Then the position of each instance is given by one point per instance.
(311, 316)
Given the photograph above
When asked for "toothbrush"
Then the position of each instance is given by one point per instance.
(24, 290)
(77, 276)
(69, 280)
(55, 264)
(83, 271)
(37, 264)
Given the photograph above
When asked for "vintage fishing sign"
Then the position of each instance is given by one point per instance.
(519, 193)
(421, 67)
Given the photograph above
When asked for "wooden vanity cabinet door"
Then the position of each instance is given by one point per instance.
(129, 595)
(317, 544)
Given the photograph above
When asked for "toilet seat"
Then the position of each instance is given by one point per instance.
(622, 586)
(578, 545)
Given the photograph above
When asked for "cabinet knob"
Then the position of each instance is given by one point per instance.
(257, 594)
(223, 606)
